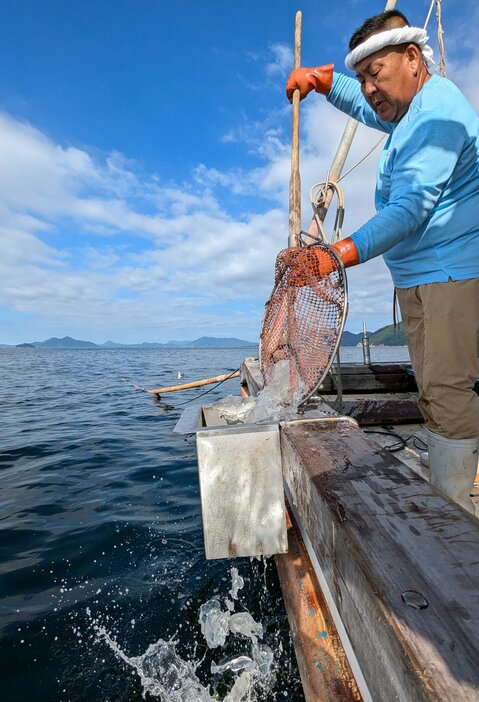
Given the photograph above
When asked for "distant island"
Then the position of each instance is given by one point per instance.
(204, 342)
(385, 336)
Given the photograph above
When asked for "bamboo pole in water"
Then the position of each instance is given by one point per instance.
(194, 383)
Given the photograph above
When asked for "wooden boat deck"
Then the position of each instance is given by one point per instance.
(377, 530)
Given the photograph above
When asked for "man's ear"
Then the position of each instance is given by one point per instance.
(414, 57)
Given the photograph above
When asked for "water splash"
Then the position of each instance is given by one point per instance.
(162, 672)
(166, 676)
(236, 665)
(214, 623)
(243, 623)
(237, 583)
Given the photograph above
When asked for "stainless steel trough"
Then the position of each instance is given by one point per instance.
(241, 484)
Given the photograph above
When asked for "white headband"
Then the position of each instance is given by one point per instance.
(391, 37)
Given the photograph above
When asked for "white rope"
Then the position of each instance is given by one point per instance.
(358, 163)
(318, 195)
(440, 40)
(441, 66)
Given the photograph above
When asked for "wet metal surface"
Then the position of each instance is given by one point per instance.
(241, 484)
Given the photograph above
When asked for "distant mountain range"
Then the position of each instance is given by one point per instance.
(386, 336)
(204, 342)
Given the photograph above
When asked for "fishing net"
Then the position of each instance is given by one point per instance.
(304, 317)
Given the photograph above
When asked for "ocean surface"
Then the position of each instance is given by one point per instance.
(103, 579)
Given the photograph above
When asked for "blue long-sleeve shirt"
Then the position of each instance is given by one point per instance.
(427, 190)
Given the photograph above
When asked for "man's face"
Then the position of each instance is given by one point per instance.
(389, 81)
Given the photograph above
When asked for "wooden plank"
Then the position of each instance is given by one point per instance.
(376, 377)
(322, 661)
(379, 530)
(355, 377)
(251, 376)
(398, 408)
(324, 668)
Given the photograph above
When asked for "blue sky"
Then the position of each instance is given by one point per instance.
(145, 160)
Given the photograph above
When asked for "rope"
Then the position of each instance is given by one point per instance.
(337, 381)
(401, 443)
(363, 158)
(440, 33)
(318, 195)
(134, 385)
(441, 66)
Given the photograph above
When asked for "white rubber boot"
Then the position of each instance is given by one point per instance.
(453, 464)
(424, 458)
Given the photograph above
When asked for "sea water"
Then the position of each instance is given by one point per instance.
(166, 676)
(104, 588)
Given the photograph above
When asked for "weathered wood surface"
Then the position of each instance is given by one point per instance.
(194, 383)
(377, 377)
(294, 237)
(379, 530)
(251, 376)
(324, 668)
(355, 378)
(387, 408)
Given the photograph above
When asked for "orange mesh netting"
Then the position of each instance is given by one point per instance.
(304, 316)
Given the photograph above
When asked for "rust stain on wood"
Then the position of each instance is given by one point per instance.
(325, 671)
(378, 529)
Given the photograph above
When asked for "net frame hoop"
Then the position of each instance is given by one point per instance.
(326, 246)
(332, 252)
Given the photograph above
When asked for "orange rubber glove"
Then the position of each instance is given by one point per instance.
(347, 251)
(311, 264)
(307, 79)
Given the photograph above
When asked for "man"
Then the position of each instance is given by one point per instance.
(426, 226)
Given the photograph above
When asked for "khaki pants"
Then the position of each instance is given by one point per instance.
(441, 323)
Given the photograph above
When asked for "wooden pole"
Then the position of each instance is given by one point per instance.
(295, 180)
(194, 384)
(344, 147)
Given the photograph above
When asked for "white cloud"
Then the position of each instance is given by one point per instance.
(184, 260)
(283, 60)
(98, 249)
(172, 258)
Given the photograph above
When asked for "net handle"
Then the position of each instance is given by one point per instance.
(295, 179)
